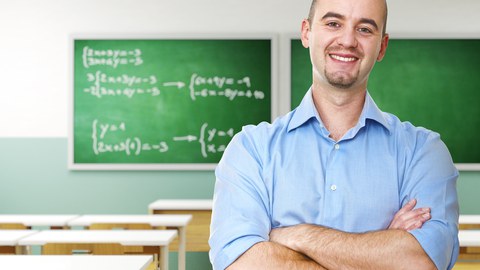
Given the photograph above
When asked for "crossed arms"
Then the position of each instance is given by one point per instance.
(315, 247)
(245, 212)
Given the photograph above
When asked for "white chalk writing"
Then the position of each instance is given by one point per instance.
(230, 88)
(199, 87)
(113, 58)
(133, 85)
(206, 137)
(209, 139)
(100, 77)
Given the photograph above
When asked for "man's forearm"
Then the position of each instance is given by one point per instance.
(269, 255)
(389, 249)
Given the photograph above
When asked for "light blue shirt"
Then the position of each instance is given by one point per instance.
(291, 172)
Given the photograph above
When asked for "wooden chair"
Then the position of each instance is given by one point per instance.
(82, 248)
(198, 230)
(467, 266)
(127, 226)
(13, 226)
(100, 249)
(11, 250)
(131, 226)
(469, 226)
(123, 226)
(469, 253)
(19, 226)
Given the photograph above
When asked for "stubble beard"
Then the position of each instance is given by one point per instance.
(341, 80)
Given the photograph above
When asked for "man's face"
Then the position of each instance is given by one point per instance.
(345, 41)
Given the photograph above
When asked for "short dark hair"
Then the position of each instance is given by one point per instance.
(311, 14)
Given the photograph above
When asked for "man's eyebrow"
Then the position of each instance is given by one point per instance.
(333, 15)
(369, 21)
(340, 16)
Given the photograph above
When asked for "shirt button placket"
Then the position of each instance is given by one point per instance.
(333, 187)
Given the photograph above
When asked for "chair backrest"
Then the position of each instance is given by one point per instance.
(123, 226)
(82, 248)
(101, 249)
(7, 250)
(469, 226)
(13, 226)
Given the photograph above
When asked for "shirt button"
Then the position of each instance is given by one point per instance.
(337, 146)
(333, 187)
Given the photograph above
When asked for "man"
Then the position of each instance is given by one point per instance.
(336, 183)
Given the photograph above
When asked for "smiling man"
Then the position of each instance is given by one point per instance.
(336, 183)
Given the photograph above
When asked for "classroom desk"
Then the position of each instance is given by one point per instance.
(157, 238)
(198, 231)
(9, 240)
(469, 244)
(52, 221)
(469, 222)
(466, 266)
(179, 222)
(71, 262)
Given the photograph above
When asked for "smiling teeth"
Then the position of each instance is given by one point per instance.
(343, 59)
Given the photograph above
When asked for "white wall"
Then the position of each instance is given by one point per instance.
(34, 40)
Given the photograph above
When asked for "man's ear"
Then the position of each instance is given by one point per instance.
(383, 47)
(305, 33)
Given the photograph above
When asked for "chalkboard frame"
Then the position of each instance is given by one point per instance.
(286, 39)
(181, 36)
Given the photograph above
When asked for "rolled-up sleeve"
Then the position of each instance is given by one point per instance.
(432, 181)
(240, 216)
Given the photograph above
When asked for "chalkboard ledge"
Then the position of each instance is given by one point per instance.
(468, 166)
(143, 167)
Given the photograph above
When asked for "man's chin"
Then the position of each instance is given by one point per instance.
(341, 80)
(342, 83)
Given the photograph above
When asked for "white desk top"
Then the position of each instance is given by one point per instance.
(181, 205)
(11, 237)
(469, 219)
(72, 262)
(123, 237)
(37, 220)
(153, 220)
(469, 238)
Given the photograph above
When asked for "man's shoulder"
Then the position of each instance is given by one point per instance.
(267, 130)
(420, 147)
(410, 133)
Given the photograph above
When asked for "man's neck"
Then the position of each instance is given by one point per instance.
(339, 109)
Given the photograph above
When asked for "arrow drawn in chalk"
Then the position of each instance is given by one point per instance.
(177, 84)
(188, 138)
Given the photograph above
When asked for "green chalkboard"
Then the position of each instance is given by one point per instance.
(165, 103)
(433, 83)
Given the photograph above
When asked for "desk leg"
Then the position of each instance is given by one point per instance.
(182, 247)
(163, 258)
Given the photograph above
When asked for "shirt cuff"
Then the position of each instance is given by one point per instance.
(439, 242)
(232, 251)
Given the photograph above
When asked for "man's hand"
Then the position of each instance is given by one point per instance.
(408, 218)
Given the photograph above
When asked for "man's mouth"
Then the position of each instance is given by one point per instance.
(342, 58)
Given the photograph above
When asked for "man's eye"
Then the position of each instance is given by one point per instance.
(364, 30)
(333, 24)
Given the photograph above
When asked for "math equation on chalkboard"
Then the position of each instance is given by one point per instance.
(165, 103)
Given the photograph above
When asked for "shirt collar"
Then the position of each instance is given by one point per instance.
(306, 110)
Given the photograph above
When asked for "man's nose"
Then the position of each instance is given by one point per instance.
(348, 38)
